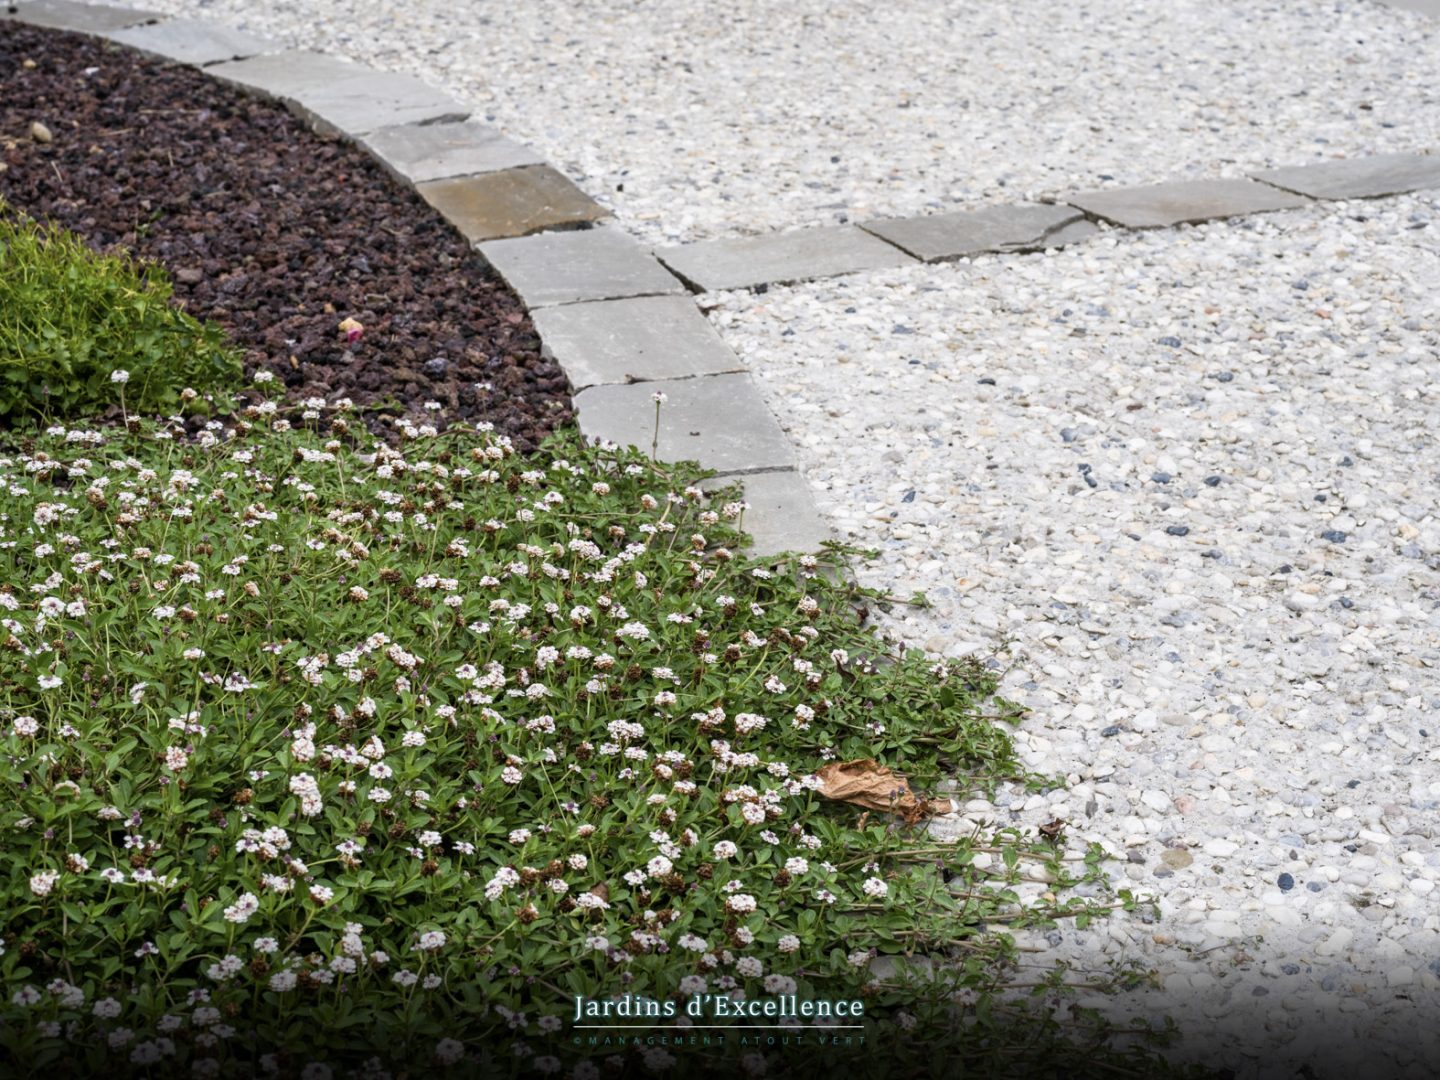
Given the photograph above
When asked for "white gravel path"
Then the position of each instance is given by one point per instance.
(1248, 713)
(748, 117)
(1190, 477)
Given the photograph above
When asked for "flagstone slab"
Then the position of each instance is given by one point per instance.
(288, 73)
(83, 18)
(420, 153)
(1064, 236)
(571, 267)
(191, 41)
(1425, 7)
(782, 514)
(638, 340)
(721, 421)
(1183, 202)
(782, 258)
(514, 202)
(941, 237)
(1358, 178)
(338, 96)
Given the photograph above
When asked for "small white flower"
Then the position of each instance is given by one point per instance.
(243, 908)
(120, 375)
(449, 1051)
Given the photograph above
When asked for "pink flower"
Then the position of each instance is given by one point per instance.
(352, 329)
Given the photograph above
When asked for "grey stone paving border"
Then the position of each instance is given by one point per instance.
(824, 251)
(641, 339)
(619, 324)
(1162, 206)
(189, 41)
(943, 237)
(1358, 178)
(81, 18)
(616, 317)
(781, 258)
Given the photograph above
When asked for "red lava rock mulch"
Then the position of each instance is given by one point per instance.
(270, 230)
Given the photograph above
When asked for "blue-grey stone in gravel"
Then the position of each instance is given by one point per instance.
(336, 96)
(1178, 530)
(1358, 178)
(1335, 536)
(422, 152)
(781, 258)
(194, 41)
(437, 367)
(1161, 205)
(636, 340)
(940, 237)
(1170, 342)
(1315, 886)
(1212, 481)
(1286, 882)
(1290, 969)
(1160, 477)
(69, 15)
(721, 421)
(570, 267)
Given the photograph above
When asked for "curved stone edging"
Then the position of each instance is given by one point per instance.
(615, 316)
(618, 323)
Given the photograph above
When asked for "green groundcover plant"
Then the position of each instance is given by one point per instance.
(75, 323)
(322, 755)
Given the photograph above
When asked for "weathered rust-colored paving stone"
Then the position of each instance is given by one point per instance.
(515, 202)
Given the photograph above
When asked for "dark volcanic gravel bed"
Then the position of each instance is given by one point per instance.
(273, 232)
